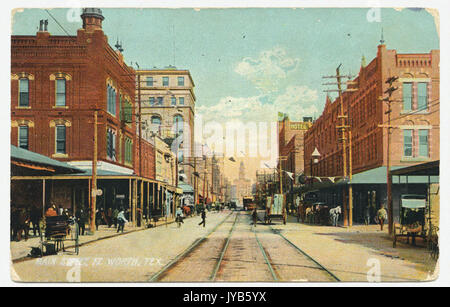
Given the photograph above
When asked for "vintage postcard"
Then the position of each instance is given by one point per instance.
(224, 144)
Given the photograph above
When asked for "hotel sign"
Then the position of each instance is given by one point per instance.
(299, 126)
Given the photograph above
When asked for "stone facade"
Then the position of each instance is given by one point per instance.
(168, 108)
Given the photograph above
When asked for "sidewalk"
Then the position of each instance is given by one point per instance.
(20, 250)
(353, 253)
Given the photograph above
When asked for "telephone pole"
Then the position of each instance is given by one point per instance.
(344, 126)
(390, 90)
(94, 177)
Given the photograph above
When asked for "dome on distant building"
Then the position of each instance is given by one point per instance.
(92, 19)
(92, 12)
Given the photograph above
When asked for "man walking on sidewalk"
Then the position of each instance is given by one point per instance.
(121, 220)
(203, 218)
(382, 216)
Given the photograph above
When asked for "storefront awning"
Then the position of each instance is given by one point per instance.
(31, 160)
(186, 188)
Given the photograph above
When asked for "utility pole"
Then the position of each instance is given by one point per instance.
(390, 90)
(343, 127)
(140, 125)
(94, 177)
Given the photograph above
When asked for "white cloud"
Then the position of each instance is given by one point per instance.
(297, 101)
(269, 69)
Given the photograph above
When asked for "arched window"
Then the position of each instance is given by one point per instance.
(178, 124)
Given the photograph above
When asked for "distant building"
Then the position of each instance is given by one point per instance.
(243, 185)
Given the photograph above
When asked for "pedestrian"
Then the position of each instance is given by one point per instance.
(114, 217)
(382, 216)
(367, 215)
(203, 218)
(98, 218)
(179, 216)
(121, 220)
(60, 210)
(35, 217)
(81, 220)
(109, 217)
(255, 217)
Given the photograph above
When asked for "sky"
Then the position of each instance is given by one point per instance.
(250, 64)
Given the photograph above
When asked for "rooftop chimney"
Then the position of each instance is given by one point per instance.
(92, 19)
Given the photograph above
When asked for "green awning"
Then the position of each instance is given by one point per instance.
(186, 188)
(20, 154)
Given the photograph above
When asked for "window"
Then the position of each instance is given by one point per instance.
(165, 81)
(152, 101)
(61, 139)
(174, 101)
(423, 143)
(422, 95)
(178, 123)
(180, 81)
(111, 100)
(407, 96)
(127, 110)
(156, 123)
(181, 101)
(128, 150)
(23, 137)
(111, 144)
(407, 143)
(149, 81)
(24, 92)
(160, 101)
(60, 92)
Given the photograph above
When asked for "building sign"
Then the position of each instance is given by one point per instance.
(299, 126)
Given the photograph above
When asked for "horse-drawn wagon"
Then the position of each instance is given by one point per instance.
(59, 229)
(412, 218)
(275, 208)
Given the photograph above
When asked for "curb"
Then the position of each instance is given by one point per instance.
(27, 258)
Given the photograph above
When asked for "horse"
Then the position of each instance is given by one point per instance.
(20, 222)
(334, 215)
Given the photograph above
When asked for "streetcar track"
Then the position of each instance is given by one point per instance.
(266, 257)
(240, 246)
(180, 257)
(320, 266)
(224, 249)
(298, 249)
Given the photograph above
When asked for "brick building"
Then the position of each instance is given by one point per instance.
(290, 148)
(57, 84)
(414, 137)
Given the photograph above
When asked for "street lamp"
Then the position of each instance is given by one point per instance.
(314, 159)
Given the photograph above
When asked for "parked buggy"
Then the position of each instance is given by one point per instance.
(412, 218)
(59, 229)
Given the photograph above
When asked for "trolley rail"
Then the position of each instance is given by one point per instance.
(225, 247)
(230, 255)
(187, 251)
(298, 249)
(266, 258)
